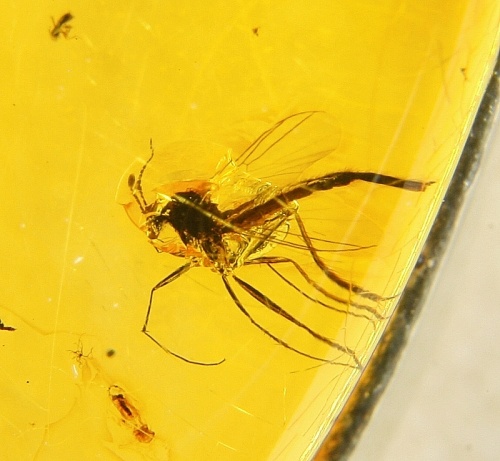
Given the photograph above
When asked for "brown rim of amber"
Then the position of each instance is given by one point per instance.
(354, 417)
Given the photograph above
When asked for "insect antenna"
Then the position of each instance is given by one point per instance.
(135, 185)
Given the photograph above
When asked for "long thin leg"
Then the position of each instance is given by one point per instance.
(331, 274)
(168, 279)
(270, 261)
(267, 302)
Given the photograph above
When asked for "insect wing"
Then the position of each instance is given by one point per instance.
(124, 196)
(167, 174)
(281, 154)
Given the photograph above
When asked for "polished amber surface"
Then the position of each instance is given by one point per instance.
(401, 83)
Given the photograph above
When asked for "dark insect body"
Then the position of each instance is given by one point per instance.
(130, 415)
(245, 210)
(6, 327)
(61, 27)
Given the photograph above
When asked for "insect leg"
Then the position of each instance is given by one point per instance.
(331, 274)
(170, 278)
(267, 302)
(270, 261)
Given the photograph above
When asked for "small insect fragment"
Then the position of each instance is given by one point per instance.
(79, 355)
(130, 415)
(6, 327)
(255, 31)
(61, 27)
(463, 70)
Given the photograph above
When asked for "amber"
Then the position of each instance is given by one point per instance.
(401, 83)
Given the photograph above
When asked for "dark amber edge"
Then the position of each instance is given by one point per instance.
(355, 415)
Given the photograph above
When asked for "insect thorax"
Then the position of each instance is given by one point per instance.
(190, 225)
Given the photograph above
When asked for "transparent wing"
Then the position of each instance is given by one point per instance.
(282, 153)
(175, 168)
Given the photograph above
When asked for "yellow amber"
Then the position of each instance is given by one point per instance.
(402, 83)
